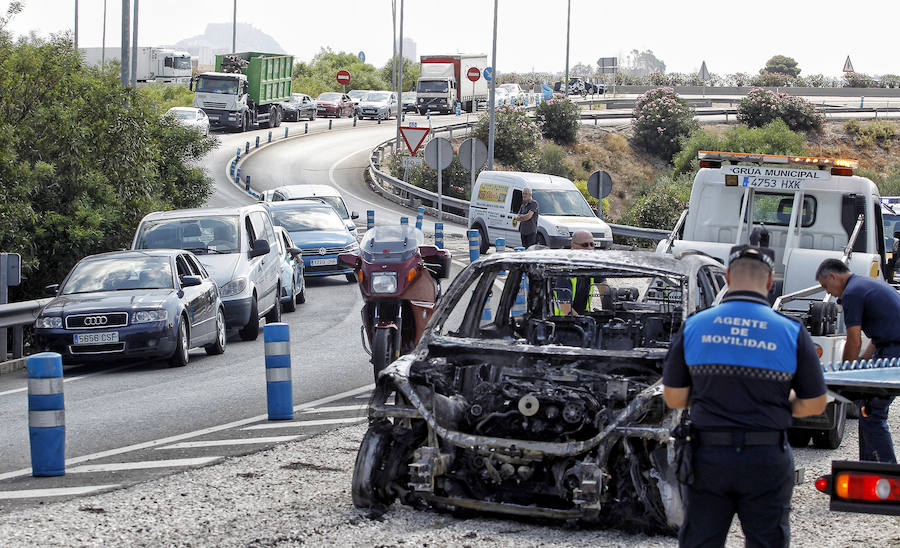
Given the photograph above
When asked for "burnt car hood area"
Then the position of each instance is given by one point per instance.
(508, 406)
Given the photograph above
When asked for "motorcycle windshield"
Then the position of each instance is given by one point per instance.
(391, 244)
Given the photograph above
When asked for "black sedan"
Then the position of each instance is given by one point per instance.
(299, 106)
(146, 304)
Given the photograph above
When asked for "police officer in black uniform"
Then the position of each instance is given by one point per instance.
(744, 370)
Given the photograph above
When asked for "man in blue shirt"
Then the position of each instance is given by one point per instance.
(871, 306)
(744, 370)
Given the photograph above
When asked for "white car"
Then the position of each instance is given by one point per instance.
(516, 94)
(190, 117)
(501, 97)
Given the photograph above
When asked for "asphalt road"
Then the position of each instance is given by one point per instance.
(119, 405)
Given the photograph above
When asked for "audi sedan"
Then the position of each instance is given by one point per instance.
(147, 304)
(334, 104)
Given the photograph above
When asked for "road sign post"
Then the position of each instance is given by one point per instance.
(704, 76)
(438, 155)
(599, 186)
(343, 78)
(472, 155)
(473, 74)
(413, 137)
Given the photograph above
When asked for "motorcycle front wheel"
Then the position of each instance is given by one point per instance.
(383, 351)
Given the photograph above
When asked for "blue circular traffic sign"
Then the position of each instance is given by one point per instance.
(488, 73)
(362, 56)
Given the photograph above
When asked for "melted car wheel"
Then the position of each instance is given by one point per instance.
(382, 461)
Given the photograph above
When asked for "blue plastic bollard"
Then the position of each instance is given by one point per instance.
(420, 216)
(286, 131)
(354, 121)
(404, 221)
(403, 117)
(862, 100)
(247, 186)
(379, 119)
(238, 156)
(270, 136)
(46, 414)
(231, 170)
(329, 123)
(257, 141)
(501, 245)
(439, 235)
(237, 176)
(458, 111)
(247, 147)
(474, 245)
(306, 127)
(370, 219)
(279, 395)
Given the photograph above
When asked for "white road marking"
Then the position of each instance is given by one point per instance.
(337, 408)
(194, 434)
(296, 424)
(69, 379)
(58, 492)
(141, 465)
(219, 443)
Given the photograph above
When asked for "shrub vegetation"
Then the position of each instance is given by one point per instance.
(762, 106)
(515, 137)
(661, 120)
(558, 120)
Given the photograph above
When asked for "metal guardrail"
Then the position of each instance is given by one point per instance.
(17, 316)
(655, 234)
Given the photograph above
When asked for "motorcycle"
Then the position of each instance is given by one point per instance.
(399, 278)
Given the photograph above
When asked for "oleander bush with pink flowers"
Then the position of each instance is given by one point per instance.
(762, 106)
(661, 121)
(516, 136)
(558, 119)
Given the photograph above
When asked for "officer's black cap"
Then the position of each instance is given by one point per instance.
(763, 254)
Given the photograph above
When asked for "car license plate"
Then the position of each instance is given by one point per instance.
(323, 262)
(97, 338)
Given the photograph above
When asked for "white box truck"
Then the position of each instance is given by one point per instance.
(153, 64)
(443, 83)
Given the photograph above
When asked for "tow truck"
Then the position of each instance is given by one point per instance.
(806, 209)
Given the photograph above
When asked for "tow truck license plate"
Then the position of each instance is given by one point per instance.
(97, 338)
(323, 262)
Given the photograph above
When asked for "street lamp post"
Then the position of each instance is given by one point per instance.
(126, 42)
(568, 22)
(491, 95)
(400, 77)
(103, 45)
(76, 24)
(234, 29)
(134, 45)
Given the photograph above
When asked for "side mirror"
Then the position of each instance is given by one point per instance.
(191, 84)
(52, 289)
(350, 260)
(260, 247)
(354, 215)
(190, 281)
(295, 252)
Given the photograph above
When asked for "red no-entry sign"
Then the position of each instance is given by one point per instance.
(473, 74)
(343, 77)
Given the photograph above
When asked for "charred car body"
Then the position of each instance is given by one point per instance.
(505, 407)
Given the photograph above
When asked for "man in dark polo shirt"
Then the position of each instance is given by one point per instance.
(528, 219)
(871, 306)
(744, 370)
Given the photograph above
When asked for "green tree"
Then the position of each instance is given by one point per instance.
(643, 63)
(411, 72)
(82, 159)
(781, 64)
(320, 74)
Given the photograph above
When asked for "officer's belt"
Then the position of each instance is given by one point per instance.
(770, 437)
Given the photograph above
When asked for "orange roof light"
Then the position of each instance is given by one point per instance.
(734, 157)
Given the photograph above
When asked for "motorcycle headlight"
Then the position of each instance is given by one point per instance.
(562, 231)
(384, 282)
(144, 316)
(234, 287)
(48, 322)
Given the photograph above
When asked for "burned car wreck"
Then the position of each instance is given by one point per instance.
(508, 407)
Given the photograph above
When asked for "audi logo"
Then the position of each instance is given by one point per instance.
(96, 320)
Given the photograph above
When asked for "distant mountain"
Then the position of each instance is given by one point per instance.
(217, 39)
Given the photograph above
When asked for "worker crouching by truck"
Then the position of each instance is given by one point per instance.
(744, 370)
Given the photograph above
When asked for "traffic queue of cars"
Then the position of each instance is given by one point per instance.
(193, 274)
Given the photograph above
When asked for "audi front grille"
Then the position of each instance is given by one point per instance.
(97, 321)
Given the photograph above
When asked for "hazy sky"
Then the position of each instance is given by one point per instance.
(729, 36)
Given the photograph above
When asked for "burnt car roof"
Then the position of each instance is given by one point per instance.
(640, 260)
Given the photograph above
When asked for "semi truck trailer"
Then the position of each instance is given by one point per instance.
(245, 90)
(153, 64)
(443, 83)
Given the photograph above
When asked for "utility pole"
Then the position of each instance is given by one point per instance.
(568, 22)
(394, 45)
(76, 43)
(400, 76)
(126, 42)
(234, 29)
(103, 45)
(134, 45)
(490, 157)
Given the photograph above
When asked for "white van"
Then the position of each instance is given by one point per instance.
(497, 197)
(324, 193)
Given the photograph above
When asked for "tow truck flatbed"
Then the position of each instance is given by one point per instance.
(863, 380)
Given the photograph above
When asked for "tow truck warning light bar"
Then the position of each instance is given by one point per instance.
(713, 159)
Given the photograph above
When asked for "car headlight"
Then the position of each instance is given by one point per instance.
(144, 316)
(562, 230)
(384, 282)
(352, 247)
(48, 322)
(234, 287)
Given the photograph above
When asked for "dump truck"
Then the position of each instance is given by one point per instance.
(153, 64)
(245, 90)
(443, 83)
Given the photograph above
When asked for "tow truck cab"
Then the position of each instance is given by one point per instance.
(811, 209)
